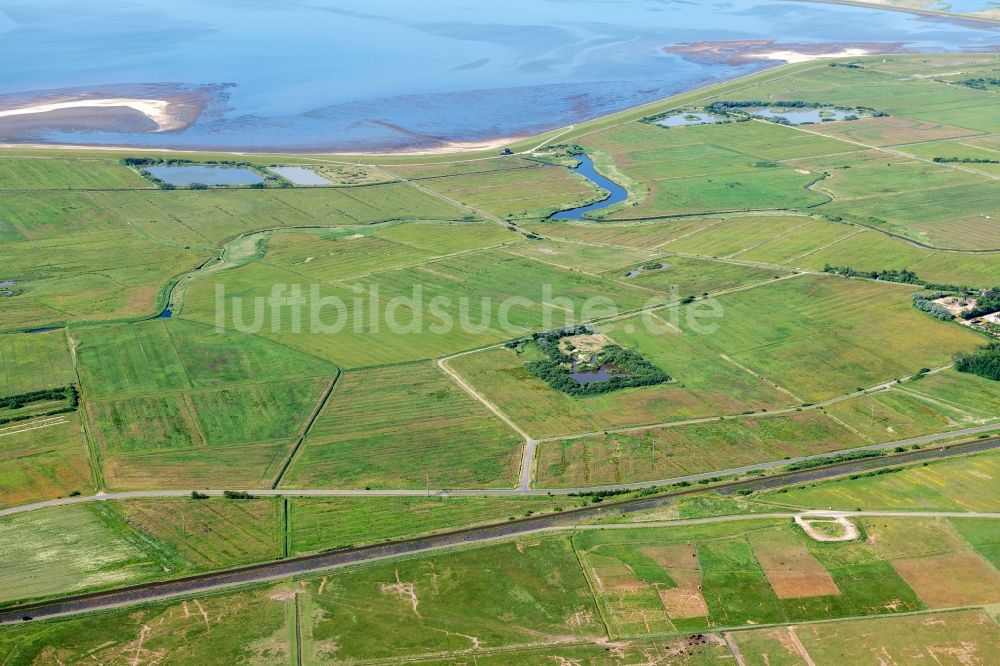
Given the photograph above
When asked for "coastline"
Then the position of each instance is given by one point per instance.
(481, 149)
(932, 13)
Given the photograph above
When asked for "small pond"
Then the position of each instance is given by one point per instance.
(587, 170)
(300, 175)
(605, 373)
(803, 116)
(693, 118)
(638, 270)
(207, 174)
(583, 374)
(166, 314)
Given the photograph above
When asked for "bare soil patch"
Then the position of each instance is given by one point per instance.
(794, 573)
(951, 580)
(681, 563)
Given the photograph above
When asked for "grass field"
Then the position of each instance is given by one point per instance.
(686, 276)
(337, 256)
(316, 524)
(557, 595)
(405, 426)
(810, 244)
(780, 332)
(962, 637)
(355, 398)
(42, 173)
(514, 193)
(65, 550)
(217, 417)
(583, 258)
(713, 168)
(910, 409)
(247, 627)
(106, 275)
(236, 466)
(663, 453)
(784, 330)
(441, 307)
(43, 459)
(34, 362)
(169, 355)
(448, 237)
(963, 484)
(162, 394)
(206, 218)
(707, 385)
(644, 235)
(936, 562)
(210, 534)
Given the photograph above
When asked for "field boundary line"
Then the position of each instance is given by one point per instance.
(809, 221)
(946, 404)
(734, 648)
(585, 570)
(890, 150)
(528, 450)
(306, 427)
(91, 446)
(848, 427)
(850, 234)
(761, 377)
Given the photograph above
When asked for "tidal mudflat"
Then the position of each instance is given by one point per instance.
(400, 76)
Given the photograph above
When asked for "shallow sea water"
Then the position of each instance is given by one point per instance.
(396, 74)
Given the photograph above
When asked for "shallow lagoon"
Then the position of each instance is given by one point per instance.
(401, 74)
(803, 116)
(206, 174)
(690, 118)
(300, 175)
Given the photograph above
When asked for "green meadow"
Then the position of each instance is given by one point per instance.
(713, 270)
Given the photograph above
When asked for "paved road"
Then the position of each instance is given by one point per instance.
(422, 492)
(571, 519)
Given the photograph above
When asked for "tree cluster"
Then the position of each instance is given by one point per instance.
(984, 362)
(636, 370)
(20, 400)
(926, 303)
(987, 302)
(980, 84)
(965, 160)
(905, 276)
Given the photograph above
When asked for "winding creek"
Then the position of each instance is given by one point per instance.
(617, 193)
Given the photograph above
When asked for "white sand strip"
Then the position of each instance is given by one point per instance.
(156, 110)
(795, 56)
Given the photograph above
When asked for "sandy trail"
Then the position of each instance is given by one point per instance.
(805, 522)
(156, 110)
